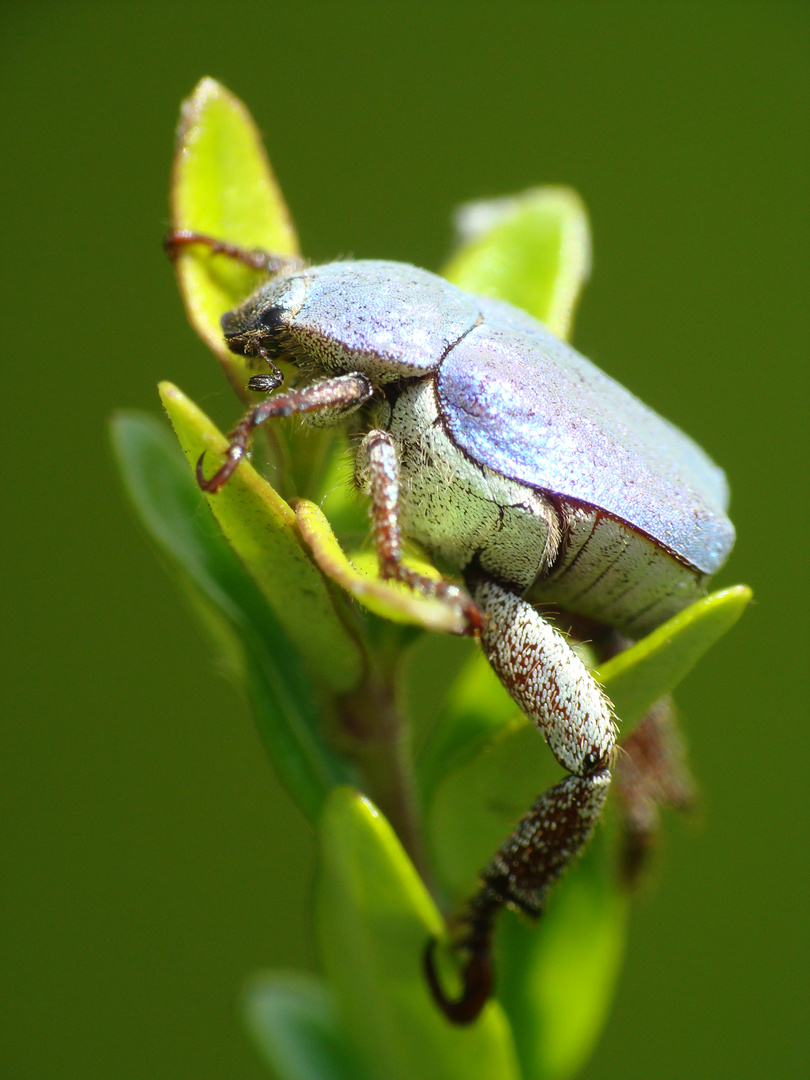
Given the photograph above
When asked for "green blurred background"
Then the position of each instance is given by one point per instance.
(150, 861)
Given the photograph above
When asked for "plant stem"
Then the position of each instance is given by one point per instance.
(380, 745)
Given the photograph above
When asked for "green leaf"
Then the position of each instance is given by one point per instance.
(429, 670)
(653, 667)
(171, 506)
(293, 1022)
(531, 249)
(374, 920)
(223, 186)
(262, 529)
(360, 577)
(477, 711)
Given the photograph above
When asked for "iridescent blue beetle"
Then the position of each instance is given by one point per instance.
(512, 458)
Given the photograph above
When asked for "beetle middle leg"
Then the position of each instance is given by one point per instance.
(553, 687)
(377, 470)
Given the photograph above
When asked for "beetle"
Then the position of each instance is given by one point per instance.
(515, 460)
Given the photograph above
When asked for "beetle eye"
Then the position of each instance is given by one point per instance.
(272, 318)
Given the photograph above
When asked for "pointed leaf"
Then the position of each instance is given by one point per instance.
(293, 1021)
(653, 667)
(531, 249)
(171, 506)
(389, 599)
(429, 672)
(261, 527)
(223, 186)
(374, 919)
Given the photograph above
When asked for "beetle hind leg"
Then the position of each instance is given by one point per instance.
(553, 687)
(547, 680)
(651, 773)
(520, 875)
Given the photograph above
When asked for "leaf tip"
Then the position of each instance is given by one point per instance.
(169, 392)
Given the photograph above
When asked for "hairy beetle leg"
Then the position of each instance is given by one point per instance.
(333, 396)
(520, 875)
(553, 687)
(377, 469)
(255, 258)
(547, 680)
(651, 773)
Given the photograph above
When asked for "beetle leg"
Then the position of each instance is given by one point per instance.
(255, 258)
(377, 470)
(520, 875)
(336, 397)
(650, 773)
(547, 680)
(554, 688)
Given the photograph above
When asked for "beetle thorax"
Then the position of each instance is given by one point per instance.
(459, 510)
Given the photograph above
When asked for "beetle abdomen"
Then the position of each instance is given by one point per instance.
(614, 574)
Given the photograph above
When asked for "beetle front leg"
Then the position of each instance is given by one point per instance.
(554, 688)
(332, 398)
(377, 471)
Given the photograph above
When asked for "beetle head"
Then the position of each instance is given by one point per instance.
(260, 326)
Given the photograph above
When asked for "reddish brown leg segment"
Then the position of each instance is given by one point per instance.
(478, 976)
(255, 258)
(377, 469)
(333, 396)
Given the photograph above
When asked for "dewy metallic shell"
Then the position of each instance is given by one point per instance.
(532, 408)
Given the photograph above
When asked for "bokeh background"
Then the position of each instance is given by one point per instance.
(150, 861)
